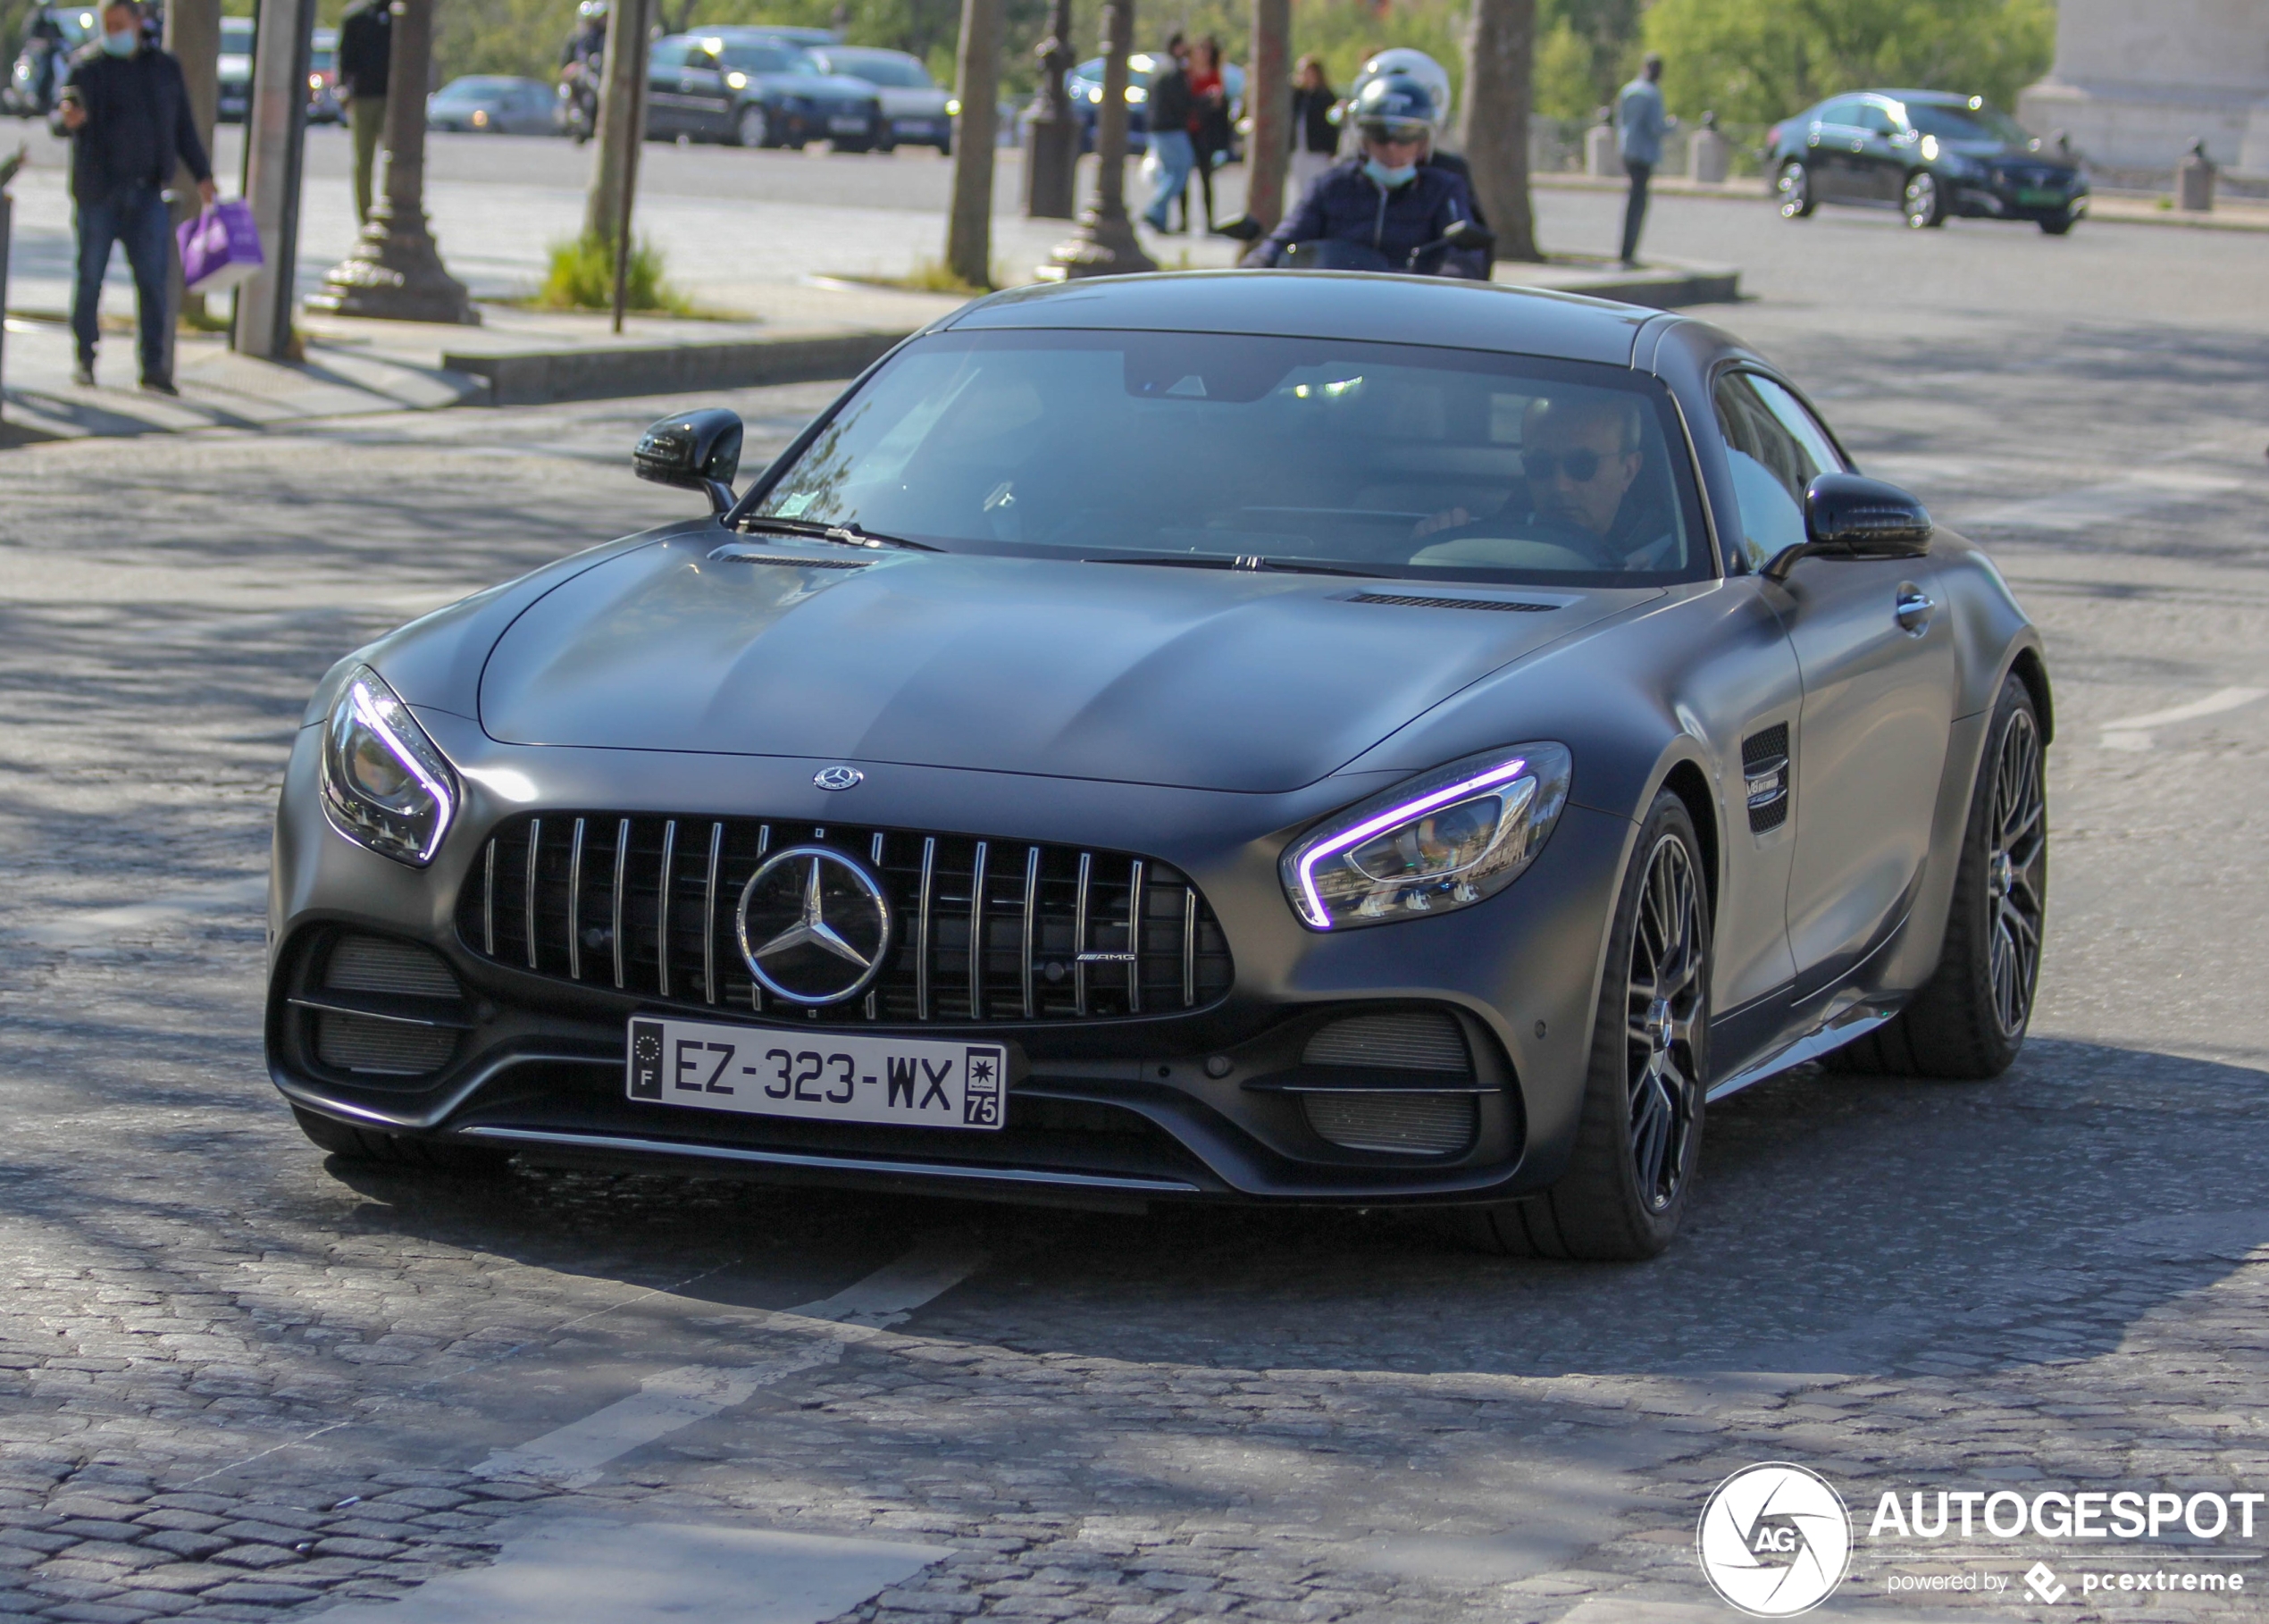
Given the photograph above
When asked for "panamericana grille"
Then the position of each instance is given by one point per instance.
(985, 930)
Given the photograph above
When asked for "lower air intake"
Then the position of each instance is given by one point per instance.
(376, 964)
(1404, 1124)
(1417, 1040)
(368, 1044)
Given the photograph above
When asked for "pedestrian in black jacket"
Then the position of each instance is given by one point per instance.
(365, 53)
(127, 112)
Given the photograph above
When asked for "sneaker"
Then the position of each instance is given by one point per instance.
(159, 386)
(83, 374)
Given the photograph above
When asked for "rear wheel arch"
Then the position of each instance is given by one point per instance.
(2030, 669)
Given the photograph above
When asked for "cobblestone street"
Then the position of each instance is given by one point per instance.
(238, 1382)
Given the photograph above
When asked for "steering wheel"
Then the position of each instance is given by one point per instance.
(1575, 538)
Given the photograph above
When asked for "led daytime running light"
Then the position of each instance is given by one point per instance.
(1313, 906)
(367, 712)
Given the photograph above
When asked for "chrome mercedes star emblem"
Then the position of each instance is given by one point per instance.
(814, 926)
(837, 777)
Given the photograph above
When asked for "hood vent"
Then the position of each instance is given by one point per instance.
(1508, 605)
(733, 552)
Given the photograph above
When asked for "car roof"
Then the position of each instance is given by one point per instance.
(1326, 304)
(849, 51)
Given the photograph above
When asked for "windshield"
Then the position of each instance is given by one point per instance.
(767, 59)
(1379, 458)
(897, 72)
(474, 89)
(1982, 122)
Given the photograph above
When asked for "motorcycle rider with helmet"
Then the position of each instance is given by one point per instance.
(1384, 200)
(582, 65)
(1418, 65)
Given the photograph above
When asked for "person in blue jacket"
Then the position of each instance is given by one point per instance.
(1386, 200)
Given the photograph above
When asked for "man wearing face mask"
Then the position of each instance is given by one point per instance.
(127, 112)
(1386, 200)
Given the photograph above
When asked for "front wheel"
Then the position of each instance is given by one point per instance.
(1969, 1020)
(2058, 228)
(1639, 1138)
(1794, 185)
(750, 128)
(1923, 204)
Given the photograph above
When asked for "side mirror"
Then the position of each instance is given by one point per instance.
(1846, 516)
(698, 450)
(1466, 234)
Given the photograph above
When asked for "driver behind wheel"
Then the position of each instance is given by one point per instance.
(1386, 199)
(1580, 457)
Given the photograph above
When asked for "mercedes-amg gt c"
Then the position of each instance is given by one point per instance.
(1249, 736)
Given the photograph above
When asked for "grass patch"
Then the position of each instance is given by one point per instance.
(928, 276)
(582, 277)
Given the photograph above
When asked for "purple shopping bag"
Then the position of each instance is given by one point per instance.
(220, 247)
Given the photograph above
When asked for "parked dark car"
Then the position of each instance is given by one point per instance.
(323, 106)
(919, 111)
(757, 89)
(1927, 154)
(489, 104)
(50, 36)
(967, 808)
(234, 104)
(1084, 86)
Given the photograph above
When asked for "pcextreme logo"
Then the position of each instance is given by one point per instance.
(1774, 1540)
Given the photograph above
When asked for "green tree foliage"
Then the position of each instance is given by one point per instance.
(1755, 61)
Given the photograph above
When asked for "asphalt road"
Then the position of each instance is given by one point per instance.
(236, 1382)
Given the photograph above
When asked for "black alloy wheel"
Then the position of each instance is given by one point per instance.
(1794, 186)
(1923, 204)
(1969, 1021)
(1638, 1140)
(1663, 1001)
(2016, 875)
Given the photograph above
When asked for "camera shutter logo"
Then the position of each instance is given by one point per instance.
(1774, 1540)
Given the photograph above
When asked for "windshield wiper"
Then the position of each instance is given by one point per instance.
(1243, 561)
(839, 535)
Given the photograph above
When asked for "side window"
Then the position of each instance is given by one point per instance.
(666, 54)
(1771, 464)
(1873, 120)
(1790, 414)
(1842, 110)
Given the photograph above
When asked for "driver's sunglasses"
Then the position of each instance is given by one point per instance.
(1581, 466)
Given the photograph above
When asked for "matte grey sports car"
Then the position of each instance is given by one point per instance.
(1254, 735)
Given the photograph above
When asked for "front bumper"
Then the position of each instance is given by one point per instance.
(1207, 1103)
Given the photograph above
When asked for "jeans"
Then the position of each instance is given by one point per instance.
(367, 115)
(136, 218)
(1175, 158)
(1635, 211)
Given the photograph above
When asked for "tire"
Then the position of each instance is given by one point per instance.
(859, 146)
(1968, 1022)
(1922, 202)
(945, 147)
(2057, 228)
(1794, 186)
(751, 128)
(369, 1148)
(1639, 1139)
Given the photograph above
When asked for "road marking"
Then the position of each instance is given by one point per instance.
(2115, 499)
(574, 1455)
(2133, 732)
(580, 1571)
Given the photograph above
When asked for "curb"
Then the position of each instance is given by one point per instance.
(543, 377)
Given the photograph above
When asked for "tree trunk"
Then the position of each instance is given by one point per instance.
(1500, 51)
(968, 231)
(622, 121)
(1268, 99)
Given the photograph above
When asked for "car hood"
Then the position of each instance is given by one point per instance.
(1202, 679)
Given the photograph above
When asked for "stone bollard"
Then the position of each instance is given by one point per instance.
(2194, 179)
(1708, 155)
(1601, 155)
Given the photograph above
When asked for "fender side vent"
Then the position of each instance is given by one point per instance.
(1764, 770)
(1410, 602)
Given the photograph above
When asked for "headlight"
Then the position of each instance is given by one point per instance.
(1443, 841)
(385, 786)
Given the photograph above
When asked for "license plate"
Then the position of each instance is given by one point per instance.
(848, 126)
(2035, 197)
(828, 1077)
